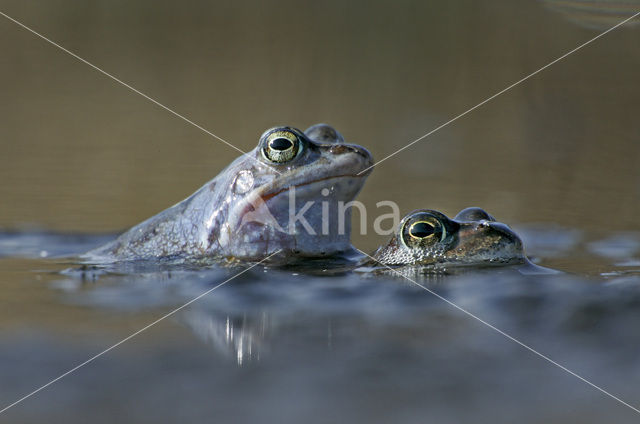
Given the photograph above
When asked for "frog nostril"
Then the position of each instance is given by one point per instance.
(338, 149)
(363, 154)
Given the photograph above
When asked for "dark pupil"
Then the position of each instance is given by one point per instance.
(280, 144)
(421, 230)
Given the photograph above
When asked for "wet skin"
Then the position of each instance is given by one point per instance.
(244, 212)
(473, 238)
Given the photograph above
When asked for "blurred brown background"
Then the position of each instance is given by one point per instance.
(80, 152)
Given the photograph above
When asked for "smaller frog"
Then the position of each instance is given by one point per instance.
(428, 238)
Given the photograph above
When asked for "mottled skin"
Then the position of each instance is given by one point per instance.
(244, 212)
(428, 238)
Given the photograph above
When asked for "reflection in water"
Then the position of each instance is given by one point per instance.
(241, 337)
(239, 321)
(596, 14)
(363, 337)
(548, 239)
(618, 246)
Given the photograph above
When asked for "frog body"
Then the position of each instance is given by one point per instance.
(283, 196)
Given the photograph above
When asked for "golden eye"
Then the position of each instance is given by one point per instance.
(281, 146)
(423, 231)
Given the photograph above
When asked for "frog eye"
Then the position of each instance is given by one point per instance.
(281, 146)
(422, 231)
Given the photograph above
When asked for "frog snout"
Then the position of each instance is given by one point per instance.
(503, 231)
(340, 149)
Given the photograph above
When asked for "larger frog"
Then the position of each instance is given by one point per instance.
(285, 195)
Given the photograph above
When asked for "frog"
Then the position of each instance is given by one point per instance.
(283, 198)
(428, 238)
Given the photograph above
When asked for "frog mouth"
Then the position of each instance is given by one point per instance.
(278, 211)
(270, 195)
